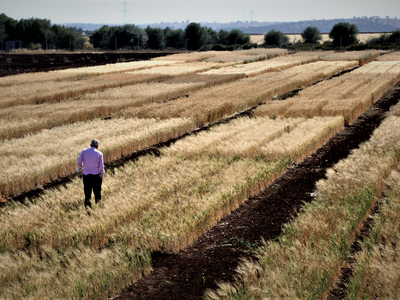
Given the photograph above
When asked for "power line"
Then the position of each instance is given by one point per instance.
(125, 10)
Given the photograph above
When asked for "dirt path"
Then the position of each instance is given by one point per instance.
(216, 254)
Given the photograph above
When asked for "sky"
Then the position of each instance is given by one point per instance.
(222, 11)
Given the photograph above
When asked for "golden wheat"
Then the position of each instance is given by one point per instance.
(305, 260)
(246, 56)
(28, 163)
(348, 95)
(209, 105)
(49, 92)
(362, 56)
(159, 203)
(18, 121)
(392, 56)
(79, 73)
(377, 267)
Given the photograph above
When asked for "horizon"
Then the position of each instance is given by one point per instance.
(206, 11)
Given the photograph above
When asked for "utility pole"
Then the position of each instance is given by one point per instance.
(46, 45)
(115, 43)
(251, 20)
(124, 10)
(70, 42)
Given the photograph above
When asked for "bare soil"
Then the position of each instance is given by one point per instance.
(216, 254)
(12, 64)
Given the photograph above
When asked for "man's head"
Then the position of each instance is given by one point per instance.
(94, 143)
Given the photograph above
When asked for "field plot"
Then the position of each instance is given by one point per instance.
(347, 95)
(231, 56)
(246, 56)
(363, 57)
(27, 163)
(155, 203)
(377, 267)
(17, 121)
(304, 262)
(79, 73)
(213, 104)
(393, 56)
(53, 247)
(49, 92)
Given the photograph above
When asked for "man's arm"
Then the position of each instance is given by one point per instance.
(80, 160)
(101, 165)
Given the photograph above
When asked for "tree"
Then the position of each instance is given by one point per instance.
(344, 34)
(156, 38)
(174, 38)
(235, 36)
(311, 35)
(394, 37)
(196, 36)
(222, 37)
(211, 36)
(275, 38)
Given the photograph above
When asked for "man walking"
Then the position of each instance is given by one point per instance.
(91, 160)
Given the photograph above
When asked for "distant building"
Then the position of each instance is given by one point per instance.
(11, 45)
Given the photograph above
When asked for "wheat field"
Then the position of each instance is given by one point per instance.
(209, 105)
(52, 248)
(348, 95)
(303, 263)
(165, 203)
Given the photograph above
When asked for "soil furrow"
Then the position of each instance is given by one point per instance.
(216, 254)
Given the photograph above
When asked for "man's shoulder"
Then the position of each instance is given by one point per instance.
(99, 152)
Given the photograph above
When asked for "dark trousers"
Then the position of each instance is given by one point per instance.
(92, 182)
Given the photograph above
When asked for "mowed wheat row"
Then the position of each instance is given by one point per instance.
(209, 105)
(15, 123)
(80, 73)
(226, 56)
(52, 91)
(348, 95)
(156, 203)
(37, 159)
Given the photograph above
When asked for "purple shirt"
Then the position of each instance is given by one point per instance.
(92, 161)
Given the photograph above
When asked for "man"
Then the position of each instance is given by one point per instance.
(91, 160)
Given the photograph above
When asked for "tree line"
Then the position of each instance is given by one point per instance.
(41, 34)
(194, 37)
(343, 36)
(38, 33)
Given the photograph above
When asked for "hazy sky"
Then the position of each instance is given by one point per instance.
(143, 12)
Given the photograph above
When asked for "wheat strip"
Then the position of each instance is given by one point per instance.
(27, 163)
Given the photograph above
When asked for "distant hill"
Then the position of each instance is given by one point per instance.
(364, 24)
